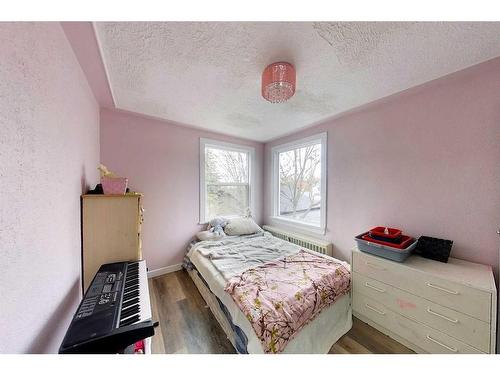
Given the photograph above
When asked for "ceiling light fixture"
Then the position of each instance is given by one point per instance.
(278, 82)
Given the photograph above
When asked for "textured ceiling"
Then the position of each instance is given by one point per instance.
(208, 74)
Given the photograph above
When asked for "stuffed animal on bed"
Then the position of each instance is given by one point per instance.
(216, 226)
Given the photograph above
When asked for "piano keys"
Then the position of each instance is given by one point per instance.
(114, 313)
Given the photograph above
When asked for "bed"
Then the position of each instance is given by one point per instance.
(215, 265)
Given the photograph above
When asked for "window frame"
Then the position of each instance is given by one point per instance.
(204, 142)
(320, 138)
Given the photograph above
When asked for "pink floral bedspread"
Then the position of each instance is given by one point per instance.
(282, 296)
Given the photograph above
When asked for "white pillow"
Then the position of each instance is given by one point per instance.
(240, 226)
(207, 235)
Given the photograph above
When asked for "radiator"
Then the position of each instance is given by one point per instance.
(323, 247)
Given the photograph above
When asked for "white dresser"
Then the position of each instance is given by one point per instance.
(428, 306)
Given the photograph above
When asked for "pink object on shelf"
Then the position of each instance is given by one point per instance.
(114, 185)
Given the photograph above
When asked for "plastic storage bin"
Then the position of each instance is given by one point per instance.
(401, 244)
(379, 232)
(398, 255)
(398, 240)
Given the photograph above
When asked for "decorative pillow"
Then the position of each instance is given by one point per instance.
(208, 235)
(240, 226)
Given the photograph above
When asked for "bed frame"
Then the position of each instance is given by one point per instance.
(214, 306)
(319, 246)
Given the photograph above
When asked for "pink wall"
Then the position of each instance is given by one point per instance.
(161, 160)
(84, 43)
(49, 148)
(425, 160)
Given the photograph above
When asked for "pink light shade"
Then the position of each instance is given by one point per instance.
(278, 82)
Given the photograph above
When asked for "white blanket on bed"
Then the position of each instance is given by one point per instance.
(316, 337)
(234, 255)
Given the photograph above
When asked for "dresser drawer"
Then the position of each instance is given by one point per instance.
(456, 296)
(426, 338)
(372, 309)
(465, 328)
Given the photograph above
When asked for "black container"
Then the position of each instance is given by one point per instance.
(96, 190)
(434, 248)
(396, 240)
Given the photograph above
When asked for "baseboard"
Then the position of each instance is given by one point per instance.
(164, 270)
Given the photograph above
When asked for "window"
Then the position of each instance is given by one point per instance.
(299, 183)
(225, 179)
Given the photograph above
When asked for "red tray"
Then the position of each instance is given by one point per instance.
(406, 241)
(379, 231)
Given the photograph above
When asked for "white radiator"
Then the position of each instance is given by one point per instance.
(323, 247)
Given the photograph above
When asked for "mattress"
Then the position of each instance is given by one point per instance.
(318, 336)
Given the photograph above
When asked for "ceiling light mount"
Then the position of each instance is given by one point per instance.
(278, 82)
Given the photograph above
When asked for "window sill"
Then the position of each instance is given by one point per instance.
(300, 227)
(227, 217)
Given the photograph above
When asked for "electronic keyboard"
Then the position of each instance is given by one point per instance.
(114, 313)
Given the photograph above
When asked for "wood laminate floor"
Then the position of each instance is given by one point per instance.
(188, 326)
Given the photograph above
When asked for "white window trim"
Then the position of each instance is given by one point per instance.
(295, 224)
(204, 142)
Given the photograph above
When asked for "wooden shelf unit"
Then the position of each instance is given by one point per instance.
(111, 231)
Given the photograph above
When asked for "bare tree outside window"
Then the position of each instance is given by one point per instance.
(300, 184)
(227, 182)
(226, 166)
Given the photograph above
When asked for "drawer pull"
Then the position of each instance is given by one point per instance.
(374, 309)
(374, 288)
(374, 266)
(441, 316)
(443, 289)
(451, 349)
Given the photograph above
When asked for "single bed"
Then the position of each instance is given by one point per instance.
(317, 336)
